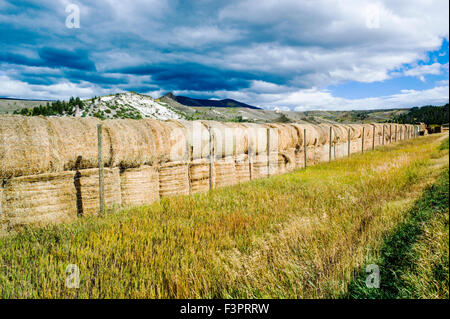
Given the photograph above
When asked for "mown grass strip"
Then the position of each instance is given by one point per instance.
(410, 265)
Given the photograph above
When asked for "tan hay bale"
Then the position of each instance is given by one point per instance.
(242, 168)
(340, 133)
(174, 179)
(161, 135)
(87, 189)
(224, 172)
(132, 143)
(288, 136)
(38, 199)
(28, 145)
(286, 161)
(178, 141)
(79, 141)
(199, 175)
(312, 133)
(139, 186)
(259, 166)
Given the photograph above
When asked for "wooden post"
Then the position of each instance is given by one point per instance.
(250, 159)
(390, 133)
(304, 145)
(373, 137)
(188, 159)
(362, 140)
(211, 158)
(100, 170)
(348, 143)
(395, 139)
(268, 152)
(329, 151)
(382, 142)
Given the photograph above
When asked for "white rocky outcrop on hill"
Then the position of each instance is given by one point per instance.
(129, 104)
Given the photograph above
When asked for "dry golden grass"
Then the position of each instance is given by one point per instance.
(302, 234)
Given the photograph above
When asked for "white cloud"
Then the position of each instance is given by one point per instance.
(62, 90)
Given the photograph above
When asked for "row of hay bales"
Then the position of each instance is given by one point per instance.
(49, 165)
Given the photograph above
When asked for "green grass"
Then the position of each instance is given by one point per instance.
(298, 235)
(414, 261)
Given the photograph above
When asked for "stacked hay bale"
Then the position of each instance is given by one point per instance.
(257, 150)
(55, 197)
(198, 156)
(37, 199)
(139, 186)
(284, 143)
(29, 145)
(78, 140)
(174, 178)
(224, 173)
(241, 142)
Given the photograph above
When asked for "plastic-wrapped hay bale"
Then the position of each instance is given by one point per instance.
(87, 189)
(199, 175)
(242, 168)
(79, 143)
(28, 145)
(132, 143)
(173, 179)
(224, 172)
(38, 199)
(139, 186)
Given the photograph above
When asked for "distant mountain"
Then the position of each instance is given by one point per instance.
(184, 100)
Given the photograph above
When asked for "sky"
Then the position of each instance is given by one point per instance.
(277, 54)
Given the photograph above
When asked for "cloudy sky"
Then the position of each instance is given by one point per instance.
(289, 54)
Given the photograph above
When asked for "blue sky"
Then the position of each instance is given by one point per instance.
(291, 54)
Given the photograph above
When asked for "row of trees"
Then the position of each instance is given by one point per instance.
(54, 108)
(426, 114)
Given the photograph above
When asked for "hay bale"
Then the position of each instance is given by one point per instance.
(223, 143)
(132, 143)
(87, 190)
(139, 186)
(38, 199)
(241, 138)
(174, 178)
(258, 166)
(199, 175)
(79, 141)
(285, 161)
(224, 172)
(28, 145)
(242, 168)
(257, 137)
(197, 138)
(287, 138)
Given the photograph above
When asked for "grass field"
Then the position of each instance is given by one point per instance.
(306, 234)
